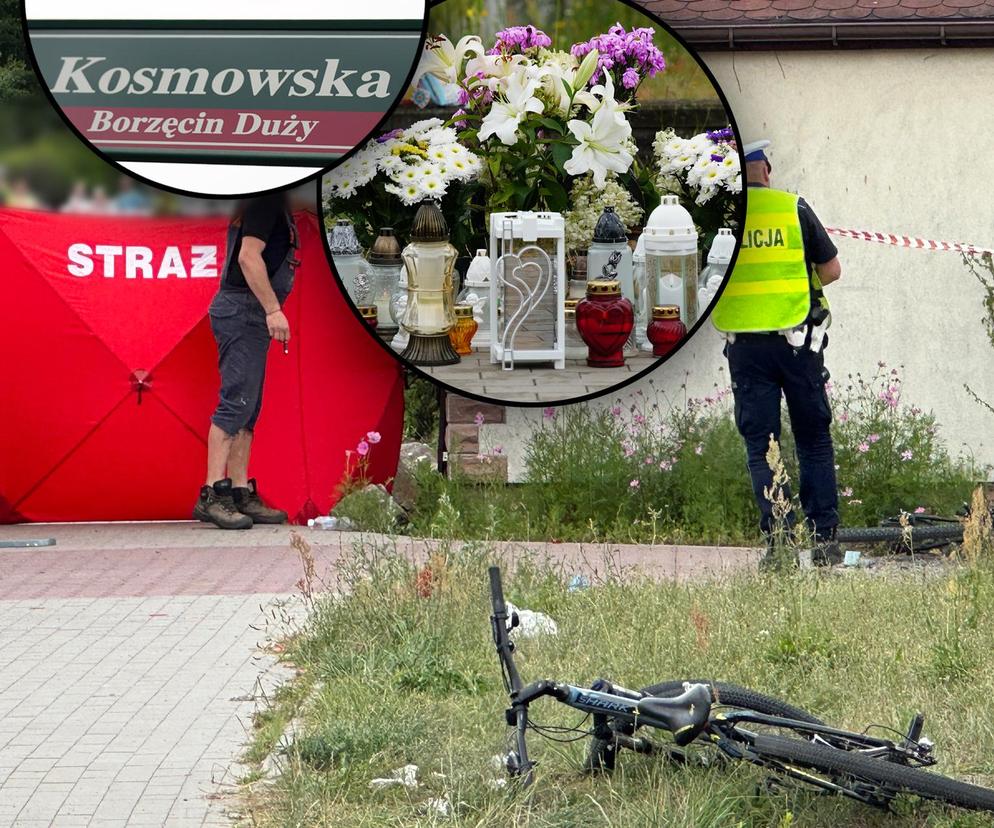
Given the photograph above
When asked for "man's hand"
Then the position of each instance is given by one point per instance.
(279, 326)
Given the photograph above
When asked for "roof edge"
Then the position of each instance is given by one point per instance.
(839, 35)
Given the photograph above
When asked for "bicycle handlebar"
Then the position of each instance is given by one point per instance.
(518, 714)
(502, 641)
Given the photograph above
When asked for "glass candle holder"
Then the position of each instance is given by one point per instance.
(461, 334)
(576, 348)
(476, 292)
(385, 267)
(429, 260)
(351, 267)
(665, 331)
(605, 319)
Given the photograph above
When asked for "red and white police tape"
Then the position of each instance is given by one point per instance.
(910, 241)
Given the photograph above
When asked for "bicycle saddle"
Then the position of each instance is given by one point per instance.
(685, 716)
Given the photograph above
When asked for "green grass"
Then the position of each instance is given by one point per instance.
(409, 679)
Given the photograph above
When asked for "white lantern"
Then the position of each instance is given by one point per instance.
(351, 267)
(671, 259)
(528, 283)
(712, 276)
(476, 292)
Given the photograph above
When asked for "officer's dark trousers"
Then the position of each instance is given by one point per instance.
(763, 369)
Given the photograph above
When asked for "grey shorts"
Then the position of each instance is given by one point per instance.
(239, 326)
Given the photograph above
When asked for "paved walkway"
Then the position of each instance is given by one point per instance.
(537, 382)
(132, 657)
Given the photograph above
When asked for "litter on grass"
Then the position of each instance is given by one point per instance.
(532, 624)
(406, 776)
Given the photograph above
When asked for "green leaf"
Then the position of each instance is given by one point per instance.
(561, 153)
(555, 126)
(555, 195)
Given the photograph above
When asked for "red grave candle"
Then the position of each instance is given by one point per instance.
(605, 320)
(665, 331)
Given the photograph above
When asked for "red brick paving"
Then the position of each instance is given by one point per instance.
(133, 560)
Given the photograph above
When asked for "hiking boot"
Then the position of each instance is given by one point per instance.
(217, 505)
(827, 552)
(248, 502)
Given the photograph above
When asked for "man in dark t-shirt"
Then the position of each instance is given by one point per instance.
(246, 316)
(767, 367)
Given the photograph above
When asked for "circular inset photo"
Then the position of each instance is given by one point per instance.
(230, 97)
(551, 211)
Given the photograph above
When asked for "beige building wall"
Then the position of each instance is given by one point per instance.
(892, 140)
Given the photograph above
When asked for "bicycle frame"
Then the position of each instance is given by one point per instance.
(618, 711)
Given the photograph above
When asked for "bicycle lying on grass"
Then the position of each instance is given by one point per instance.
(922, 533)
(738, 723)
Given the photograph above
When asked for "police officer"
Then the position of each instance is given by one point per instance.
(246, 316)
(775, 315)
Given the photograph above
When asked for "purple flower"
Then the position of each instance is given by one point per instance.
(616, 411)
(373, 437)
(716, 157)
(718, 135)
(632, 52)
(863, 448)
(478, 419)
(906, 455)
(386, 136)
(627, 448)
(362, 449)
(549, 413)
(497, 451)
(874, 438)
(520, 39)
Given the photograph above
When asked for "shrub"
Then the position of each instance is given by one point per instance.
(889, 455)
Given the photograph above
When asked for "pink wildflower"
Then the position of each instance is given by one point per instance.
(874, 438)
(362, 449)
(906, 455)
(478, 419)
(634, 484)
(373, 437)
(699, 449)
(846, 492)
(549, 413)
(863, 448)
(920, 510)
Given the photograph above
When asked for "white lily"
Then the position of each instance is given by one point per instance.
(602, 96)
(443, 60)
(602, 145)
(494, 70)
(504, 116)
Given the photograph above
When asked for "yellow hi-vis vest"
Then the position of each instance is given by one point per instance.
(769, 288)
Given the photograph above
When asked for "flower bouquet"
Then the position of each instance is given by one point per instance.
(539, 115)
(380, 184)
(704, 171)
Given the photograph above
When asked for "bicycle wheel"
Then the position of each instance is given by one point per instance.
(896, 534)
(894, 777)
